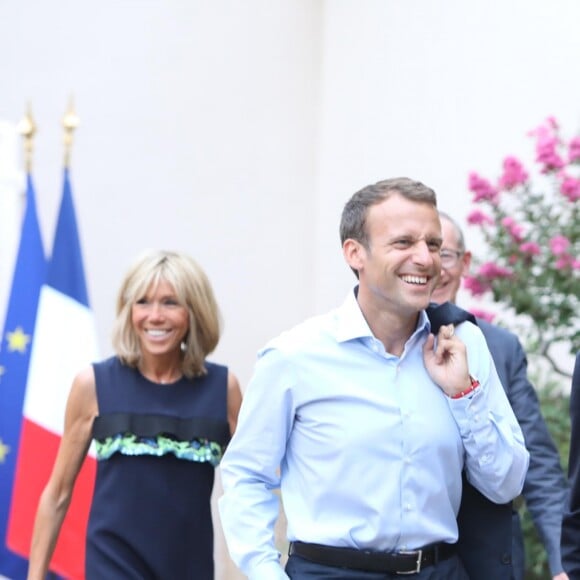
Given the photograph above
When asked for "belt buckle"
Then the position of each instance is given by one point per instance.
(419, 554)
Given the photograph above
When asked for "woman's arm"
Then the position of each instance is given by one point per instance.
(81, 409)
(234, 401)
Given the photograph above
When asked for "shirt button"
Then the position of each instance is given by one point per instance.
(407, 460)
(408, 507)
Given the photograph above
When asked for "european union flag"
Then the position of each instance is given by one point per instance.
(16, 343)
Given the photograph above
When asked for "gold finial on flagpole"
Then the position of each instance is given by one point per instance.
(27, 128)
(70, 122)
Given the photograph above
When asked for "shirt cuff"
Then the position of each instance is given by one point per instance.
(470, 411)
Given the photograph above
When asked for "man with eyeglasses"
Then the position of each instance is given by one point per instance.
(545, 488)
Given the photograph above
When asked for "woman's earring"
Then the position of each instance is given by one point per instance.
(183, 346)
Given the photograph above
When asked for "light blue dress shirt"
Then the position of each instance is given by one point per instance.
(367, 449)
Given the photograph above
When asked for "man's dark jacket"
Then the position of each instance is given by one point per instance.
(487, 531)
(571, 522)
(545, 488)
(485, 528)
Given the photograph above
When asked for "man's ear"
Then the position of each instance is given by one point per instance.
(465, 263)
(354, 254)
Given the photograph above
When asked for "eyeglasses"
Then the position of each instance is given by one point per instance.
(450, 258)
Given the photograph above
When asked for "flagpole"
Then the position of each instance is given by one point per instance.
(64, 315)
(70, 122)
(27, 128)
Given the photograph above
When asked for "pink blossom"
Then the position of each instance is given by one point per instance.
(574, 150)
(482, 188)
(550, 125)
(491, 271)
(513, 228)
(576, 264)
(563, 262)
(513, 173)
(547, 155)
(546, 146)
(483, 314)
(479, 218)
(475, 286)
(559, 245)
(570, 187)
(530, 248)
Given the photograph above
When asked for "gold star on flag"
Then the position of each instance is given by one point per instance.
(17, 340)
(4, 450)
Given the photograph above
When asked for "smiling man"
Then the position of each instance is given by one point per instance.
(366, 420)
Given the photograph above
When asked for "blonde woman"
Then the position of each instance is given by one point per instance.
(161, 416)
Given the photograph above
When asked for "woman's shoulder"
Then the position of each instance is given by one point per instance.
(85, 377)
(215, 367)
(110, 362)
(82, 396)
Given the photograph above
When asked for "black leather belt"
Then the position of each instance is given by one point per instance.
(404, 562)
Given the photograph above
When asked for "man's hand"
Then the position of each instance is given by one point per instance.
(561, 576)
(445, 359)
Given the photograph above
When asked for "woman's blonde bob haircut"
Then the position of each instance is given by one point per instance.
(192, 289)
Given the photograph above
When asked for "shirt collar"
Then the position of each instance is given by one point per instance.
(351, 323)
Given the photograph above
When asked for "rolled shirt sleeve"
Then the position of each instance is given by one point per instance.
(496, 458)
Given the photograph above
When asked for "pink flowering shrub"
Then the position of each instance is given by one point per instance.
(483, 314)
(531, 229)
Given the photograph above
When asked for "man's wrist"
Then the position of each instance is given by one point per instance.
(473, 384)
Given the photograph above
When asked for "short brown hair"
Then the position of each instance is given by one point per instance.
(354, 214)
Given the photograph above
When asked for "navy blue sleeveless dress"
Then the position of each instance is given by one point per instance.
(157, 447)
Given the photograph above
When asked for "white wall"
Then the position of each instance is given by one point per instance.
(11, 208)
(434, 90)
(236, 130)
(198, 132)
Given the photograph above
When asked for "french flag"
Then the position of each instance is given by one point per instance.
(65, 341)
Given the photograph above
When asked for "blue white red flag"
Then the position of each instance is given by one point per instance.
(65, 342)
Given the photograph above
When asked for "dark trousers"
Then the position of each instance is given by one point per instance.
(300, 569)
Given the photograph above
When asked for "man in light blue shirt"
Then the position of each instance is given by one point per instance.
(366, 420)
